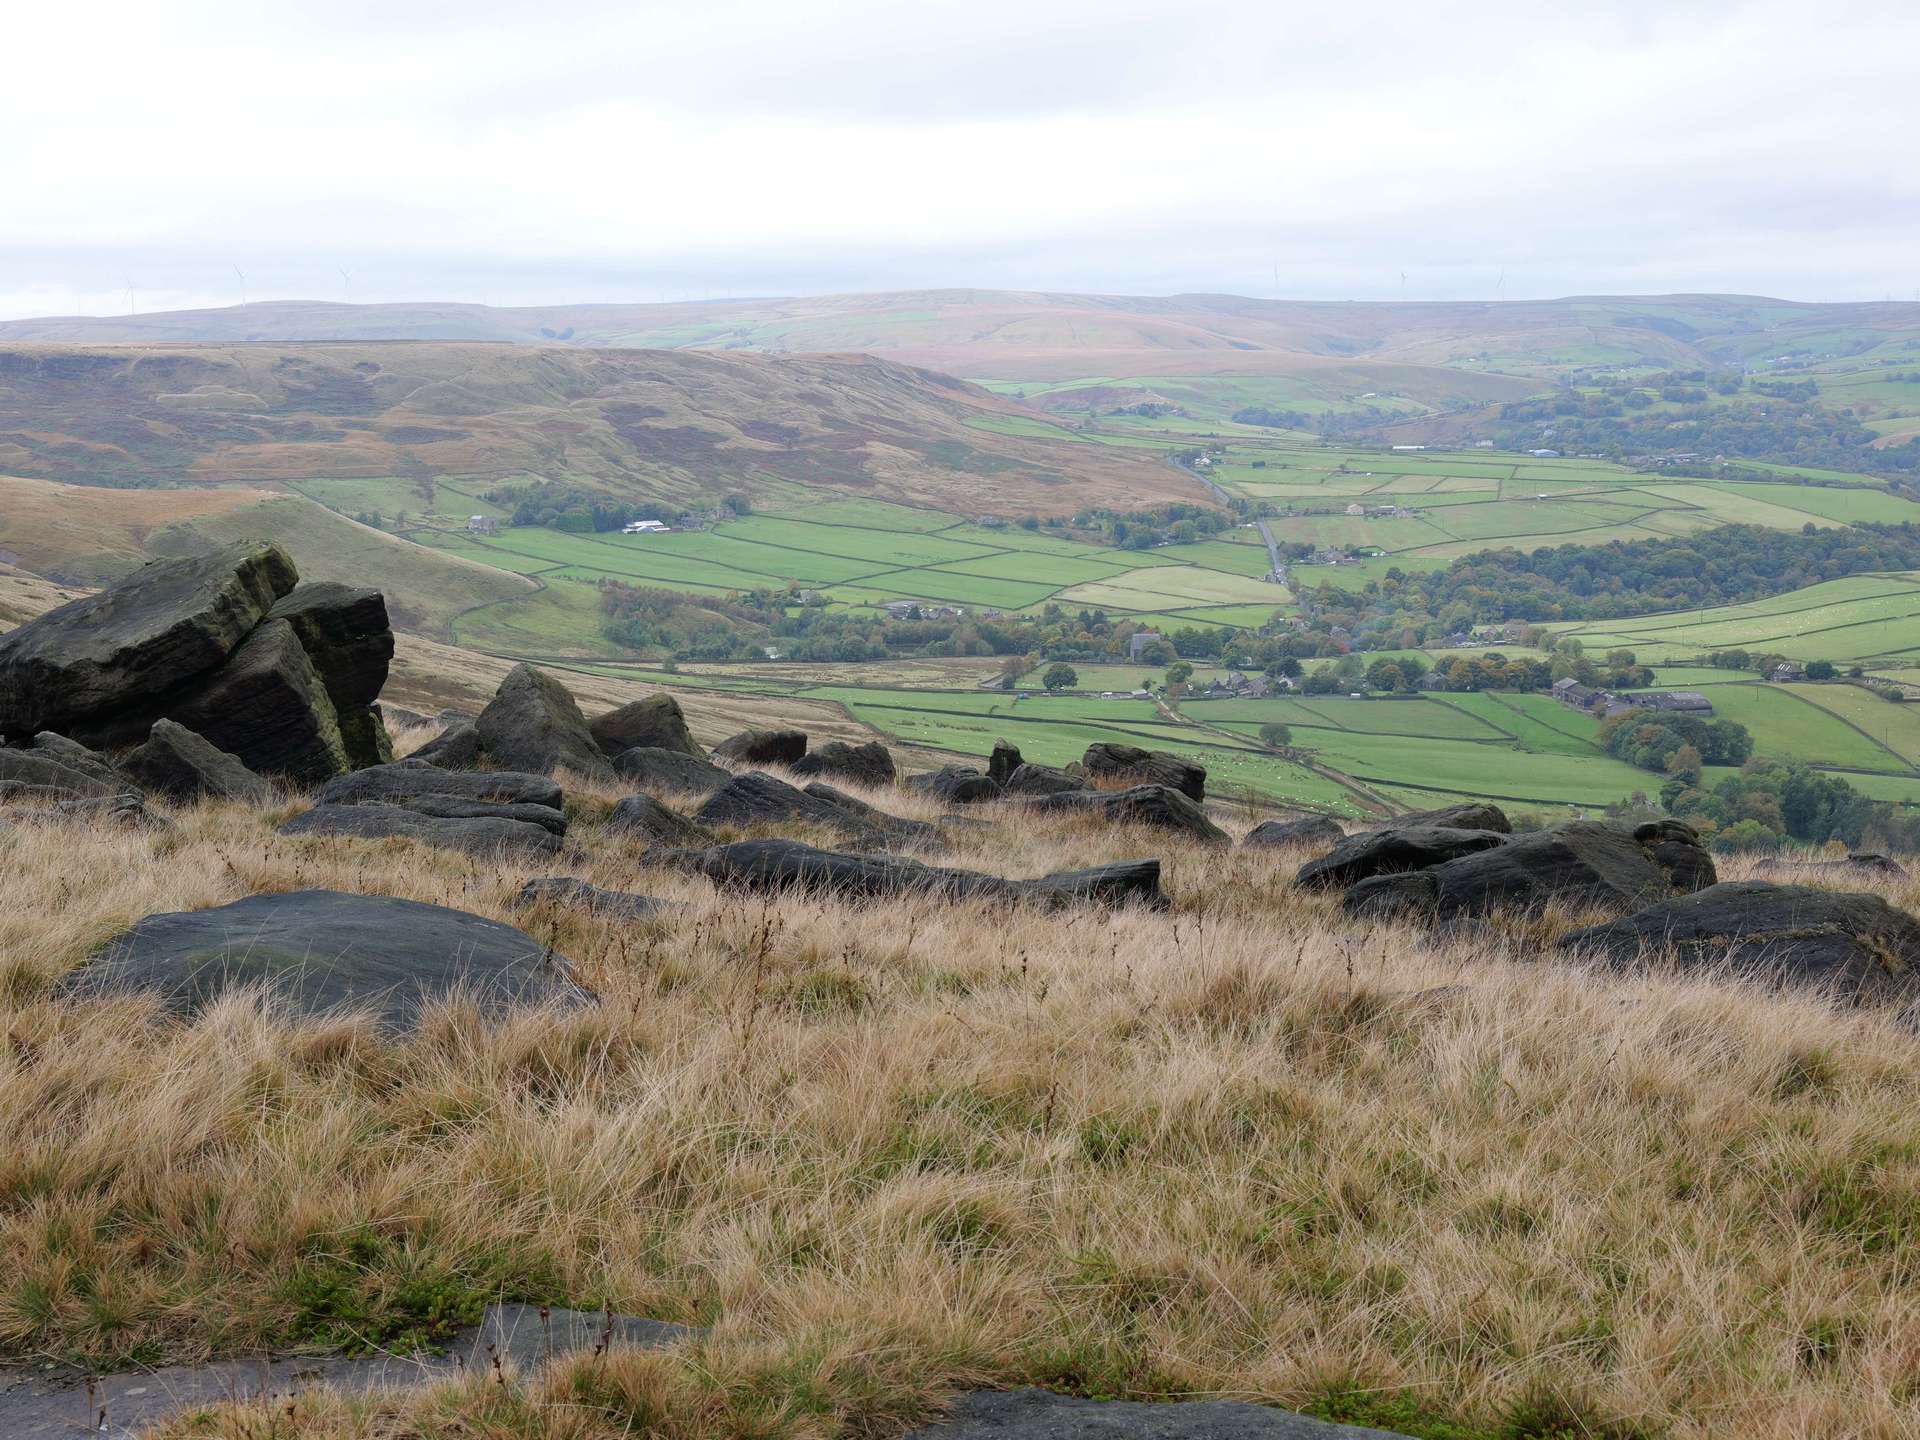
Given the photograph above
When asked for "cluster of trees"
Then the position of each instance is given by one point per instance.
(1176, 524)
(1725, 566)
(1676, 745)
(1273, 419)
(582, 512)
(1771, 802)
(1783, 424)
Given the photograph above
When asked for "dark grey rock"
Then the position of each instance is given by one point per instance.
(1579, 863)
(451, 807)
(1854, 947)
(645, 817)
(45, 1403)
(177, 763)
(137, 641)
(757, 798)
(1157, 805)
(955, 785)
(1003, 762)
(869, 764)
(1032, 779)
(1107, 760)
(565, 890)
(75, 756)
(321, 950)
(455, 748)
(894, 825)
(406, 780)
(656, 769)
(347, 636)
(486, 835)
(1385, 852)
(1309, 830)
(268, 706)
(1403, 894)
(33, 773)
(534, 724)
(655, 723)
(129, 811)
(1474, 816)
(1041, 1415)
(774, 865)
(763, 747)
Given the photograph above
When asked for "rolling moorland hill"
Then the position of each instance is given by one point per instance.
(1205, 356)
(642, 426)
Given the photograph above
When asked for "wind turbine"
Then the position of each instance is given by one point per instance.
(243, 283)
(346, 282)
(129, 295)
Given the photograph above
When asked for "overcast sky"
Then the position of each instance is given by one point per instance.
(524, 153)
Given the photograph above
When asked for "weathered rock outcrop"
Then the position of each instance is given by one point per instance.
(1579, 863)
(1388, 852)
(478, 811)
(1472, 816)
(269, 706)
(646, 818)
(1157, 805)
(757, 798)
(656, 769)
(78, 669)
(1003, 762)
(1311, 830)
(1031, 779)
(1855, 947)
(177, 763)
(347, 636)
(49, 775)
(655, 723)
(406, 780)
(1109, 761)
(76, 756)
(566, 891)
(955, 785)
(763, 747)
(319, 951)
(479, 835)
(534, 724)
(869, 764)
(455, 748)
(774, 865)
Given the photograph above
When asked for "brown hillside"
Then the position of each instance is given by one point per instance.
(641, 424)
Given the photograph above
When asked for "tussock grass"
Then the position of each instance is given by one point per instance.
(888, 1152)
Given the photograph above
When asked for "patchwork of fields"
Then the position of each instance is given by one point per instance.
(1475, 500)
(1863, 618)
(860, 555)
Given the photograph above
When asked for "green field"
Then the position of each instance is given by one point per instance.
(1859, 618)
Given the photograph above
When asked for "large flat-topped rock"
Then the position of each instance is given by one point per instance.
(319, 951)
(134, 642)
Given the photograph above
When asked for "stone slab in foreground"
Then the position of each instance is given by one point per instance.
(1041, 1415)
(36, 1403)
(320, 951)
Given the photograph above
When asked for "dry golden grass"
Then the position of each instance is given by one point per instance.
(889, 1152)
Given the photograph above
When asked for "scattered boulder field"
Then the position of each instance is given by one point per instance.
(224, 677)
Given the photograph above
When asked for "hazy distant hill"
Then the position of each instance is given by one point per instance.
(639, 424)
(1011, 335)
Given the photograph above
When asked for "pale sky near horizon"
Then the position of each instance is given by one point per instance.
(518, 154)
